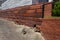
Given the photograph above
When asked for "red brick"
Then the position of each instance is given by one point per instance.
(30, 11)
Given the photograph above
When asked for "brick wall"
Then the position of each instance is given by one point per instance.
(27, 15)
(47, 10)
(23, 15)
(51, 28)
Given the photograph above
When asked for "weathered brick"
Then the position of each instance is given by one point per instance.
(30, 11)
(39, 10)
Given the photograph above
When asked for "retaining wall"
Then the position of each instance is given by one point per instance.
(27, 15)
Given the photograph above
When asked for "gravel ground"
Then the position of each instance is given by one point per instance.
(11, 31)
